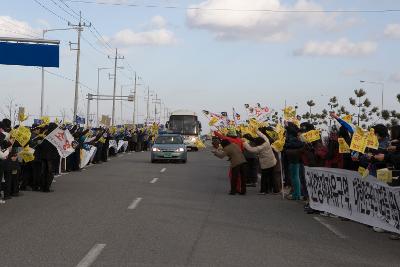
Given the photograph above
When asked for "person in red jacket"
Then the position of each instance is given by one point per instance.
(231, 137)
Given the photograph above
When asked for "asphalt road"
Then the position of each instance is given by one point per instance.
(119, 214)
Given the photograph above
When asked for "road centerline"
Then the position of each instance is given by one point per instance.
(91, 256)
(331, 228)
(163, 170)
(135, 203)
(154, 180)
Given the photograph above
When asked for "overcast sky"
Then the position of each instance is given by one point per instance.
(211, 59)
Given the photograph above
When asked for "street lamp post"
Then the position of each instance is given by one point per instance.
(383, 89)
(42, 91)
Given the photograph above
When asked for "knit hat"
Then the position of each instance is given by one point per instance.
(232, 132)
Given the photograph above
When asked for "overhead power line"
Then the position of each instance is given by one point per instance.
(96, 33)
(51, 11)
(237, 10)
(67, 78)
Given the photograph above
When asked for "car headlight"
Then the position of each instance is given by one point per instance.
(155, 149)
(181, 149)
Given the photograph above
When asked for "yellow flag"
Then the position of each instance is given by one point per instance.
(359, 141)
(278, 145)
(45, 120)
(27, 154)
(312, 136)
(372, 140)
(199, 144)
(363, 171)
(343, 146)
(348, 118)
(280, 130)
(274, 135)
(213, 121)
(113, 130)
(22, 134)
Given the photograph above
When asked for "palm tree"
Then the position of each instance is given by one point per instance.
(310, 103)
(360, 104)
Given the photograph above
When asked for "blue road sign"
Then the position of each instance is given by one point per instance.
(23, 54)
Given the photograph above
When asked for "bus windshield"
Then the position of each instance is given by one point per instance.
(184, 124)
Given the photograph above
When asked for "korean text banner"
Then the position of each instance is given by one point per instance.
(23, 54)
(63, 141)
(347, 194)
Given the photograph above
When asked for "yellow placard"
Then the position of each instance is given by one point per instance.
(359, 141)
(348, 118)
(102, 140)
(22, 134)
(384, 175)
(289, 113)
(372, 140)
(363, 171)
(27, 154)
(343, 146)
(105, 120)
(312, 136)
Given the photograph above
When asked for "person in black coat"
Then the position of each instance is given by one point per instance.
(48, 153)
(12, 176)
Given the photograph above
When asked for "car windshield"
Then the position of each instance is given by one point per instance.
(169, 140)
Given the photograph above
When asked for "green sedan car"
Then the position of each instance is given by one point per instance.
(169, 147)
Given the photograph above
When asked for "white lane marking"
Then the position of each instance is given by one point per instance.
(91, 256)
(135, 203)
(331, 228)
(154, 180)
(163, 170)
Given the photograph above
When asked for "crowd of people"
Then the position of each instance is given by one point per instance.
(37, 174)
(255, 155)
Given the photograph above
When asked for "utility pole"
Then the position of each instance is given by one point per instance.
(121, 105)
(148, 105)
(89, 97)
(42, 91)
(134, 103)
(115, 84)
(156, 101)
(79, 28)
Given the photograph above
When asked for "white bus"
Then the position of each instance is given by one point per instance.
(186, 123)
